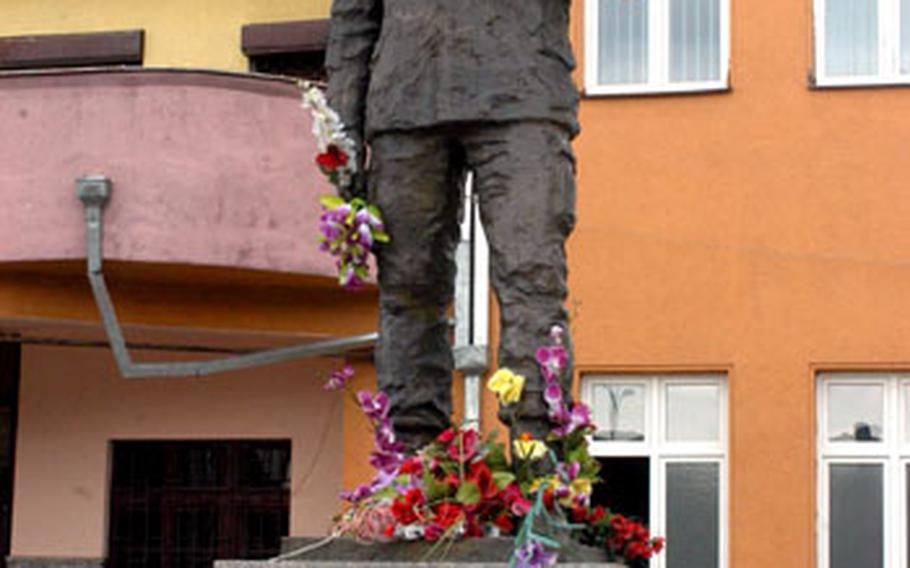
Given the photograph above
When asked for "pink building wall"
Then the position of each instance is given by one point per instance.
(72, 403)
(208, 168)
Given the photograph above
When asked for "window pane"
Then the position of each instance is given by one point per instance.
(851, 37)
(694, 40)
(619, 412)
(623, 41)
(693, 515)
(905, 36)
(855, 413)
(625, 487)
(857, 526)
(693, 413)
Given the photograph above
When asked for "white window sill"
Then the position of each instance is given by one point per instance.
(859, 82)
(646, 89)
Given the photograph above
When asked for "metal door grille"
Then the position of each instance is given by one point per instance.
(185, 504)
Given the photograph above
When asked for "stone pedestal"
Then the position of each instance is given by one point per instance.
(467, 553)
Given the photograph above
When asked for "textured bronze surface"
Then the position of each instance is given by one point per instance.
(440, 88)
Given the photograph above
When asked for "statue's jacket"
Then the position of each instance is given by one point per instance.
(407, 64)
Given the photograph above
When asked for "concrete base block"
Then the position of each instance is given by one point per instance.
(467, 553)
(53, 562)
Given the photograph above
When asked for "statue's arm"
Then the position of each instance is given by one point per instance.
(354, 30)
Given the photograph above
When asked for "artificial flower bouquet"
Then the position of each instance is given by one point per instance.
(463, 485)
(348, 228)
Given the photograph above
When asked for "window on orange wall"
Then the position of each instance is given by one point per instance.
(662, 444)
(655, 46)
(862, 42)
(863, 469)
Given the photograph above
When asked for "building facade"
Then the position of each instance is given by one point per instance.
(737, 279)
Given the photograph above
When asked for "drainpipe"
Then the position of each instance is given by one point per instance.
(472, 306)
(94, 192)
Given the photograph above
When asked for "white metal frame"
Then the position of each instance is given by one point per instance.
(889, 50)
(893, 453)
(660, 451)
(658, 54)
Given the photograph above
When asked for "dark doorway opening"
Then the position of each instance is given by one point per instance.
(10, 368)
(185, 504)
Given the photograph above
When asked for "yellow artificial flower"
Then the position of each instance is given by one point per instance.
(507, 385)
(527, 449)
(581, 485)
(551, 482)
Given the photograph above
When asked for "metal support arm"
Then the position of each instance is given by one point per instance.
(95, 192)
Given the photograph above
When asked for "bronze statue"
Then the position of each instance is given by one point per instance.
(434, 89)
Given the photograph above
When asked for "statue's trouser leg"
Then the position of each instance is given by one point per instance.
(524, 177)
(414, 181)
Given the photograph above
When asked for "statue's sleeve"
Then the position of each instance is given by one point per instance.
(355, 27)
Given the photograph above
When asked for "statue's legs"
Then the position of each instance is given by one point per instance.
(415, 182)
(524, 176)
(525, 179)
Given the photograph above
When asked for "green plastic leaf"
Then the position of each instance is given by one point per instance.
(502, 479)
(374, 211)
(468, 493)
(436, 490)
(331, 201)
(380, 236)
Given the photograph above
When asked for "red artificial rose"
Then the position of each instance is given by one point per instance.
(403, 508)
(597, 514)
(658, 544)
(389, 530)
(504, 523)
(473, 528)
(464, 446)
(548, 499)
(622, 526)
(447, 514)
(514, 500)
(412, 466)
(332, 159)
(432, 532)
(446, 436)
(480, 474)
(578, 514)
(635, 550)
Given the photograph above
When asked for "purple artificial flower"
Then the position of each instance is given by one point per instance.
(375, 407)
(553, 395)
(349, 279)
(362, 217)
(387, 462)
(339, 378)
(569, 472)
(365, 235)
(534, 555)
(359, 493)
(552, 360)
(385, 437)
(556, 333)
(567, 422)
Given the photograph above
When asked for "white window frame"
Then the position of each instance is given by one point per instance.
(661, 451)
(889, 50)
(893, 453)
(659, 54)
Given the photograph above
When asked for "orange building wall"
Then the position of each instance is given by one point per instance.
(72, 404)
(764, 231)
